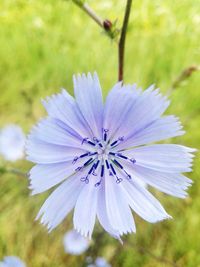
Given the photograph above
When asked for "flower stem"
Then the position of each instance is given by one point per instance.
(109, 27)
(121, 45)
(89, 11)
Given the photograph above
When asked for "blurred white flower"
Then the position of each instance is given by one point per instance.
(101, 262)
(12, 142)
(74, 243)
(12, 261)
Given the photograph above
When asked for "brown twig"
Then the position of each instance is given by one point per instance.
(109, 27)
(121, 45)
(185, 74)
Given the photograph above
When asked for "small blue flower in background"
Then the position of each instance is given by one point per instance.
(101, 262)
(12, 261)
(74, 243)
(95, 154)
(12, 142)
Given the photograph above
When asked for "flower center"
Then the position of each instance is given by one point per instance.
(104, 155)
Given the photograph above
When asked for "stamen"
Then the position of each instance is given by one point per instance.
(79, 169)
(122, 156)
(128, 175)
(116, 142)
(88, 162)
(113, 170)
(91, 169)
(95, 167)
(133, 160)
(97, 184)
(75, 160)
(100, 145)
(84, 155)
(92, 154)
(91, 143)
(102, 170)
(102, 174)
(118, 180)
(118, 164)
(121, 167)
(86, 140)
(105, 134)
(97, 141)
(107, 164)
(85, 179)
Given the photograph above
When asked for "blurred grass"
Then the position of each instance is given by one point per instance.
(42, 43)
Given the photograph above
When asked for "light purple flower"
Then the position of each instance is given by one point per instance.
(12, 261)
(12, 142)
(101, 262)
(95, 154)
(74, 243)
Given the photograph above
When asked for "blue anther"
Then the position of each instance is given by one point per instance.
(133, 160)
(97, 184)
(84, 140)
(84, 155)
(107, 164)
(114, 143)
(118, 164)
(102, 170)
(91, 143)
(75, 160)
(88, 162)
(79, 169)
(121, 156)
(113, 170)
(105, 134)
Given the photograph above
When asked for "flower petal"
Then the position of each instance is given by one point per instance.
(165, 158)
(163, 128)
(173, 184)
(63, 107)
(60, 202)
(119, 213)
(143, 202)
(102, 214)
(88, 96)
(44, 176)
(85, 210)
(118, 103)
(148, 107)
(45, 153)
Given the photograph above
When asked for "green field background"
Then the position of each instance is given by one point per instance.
(42, 44)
